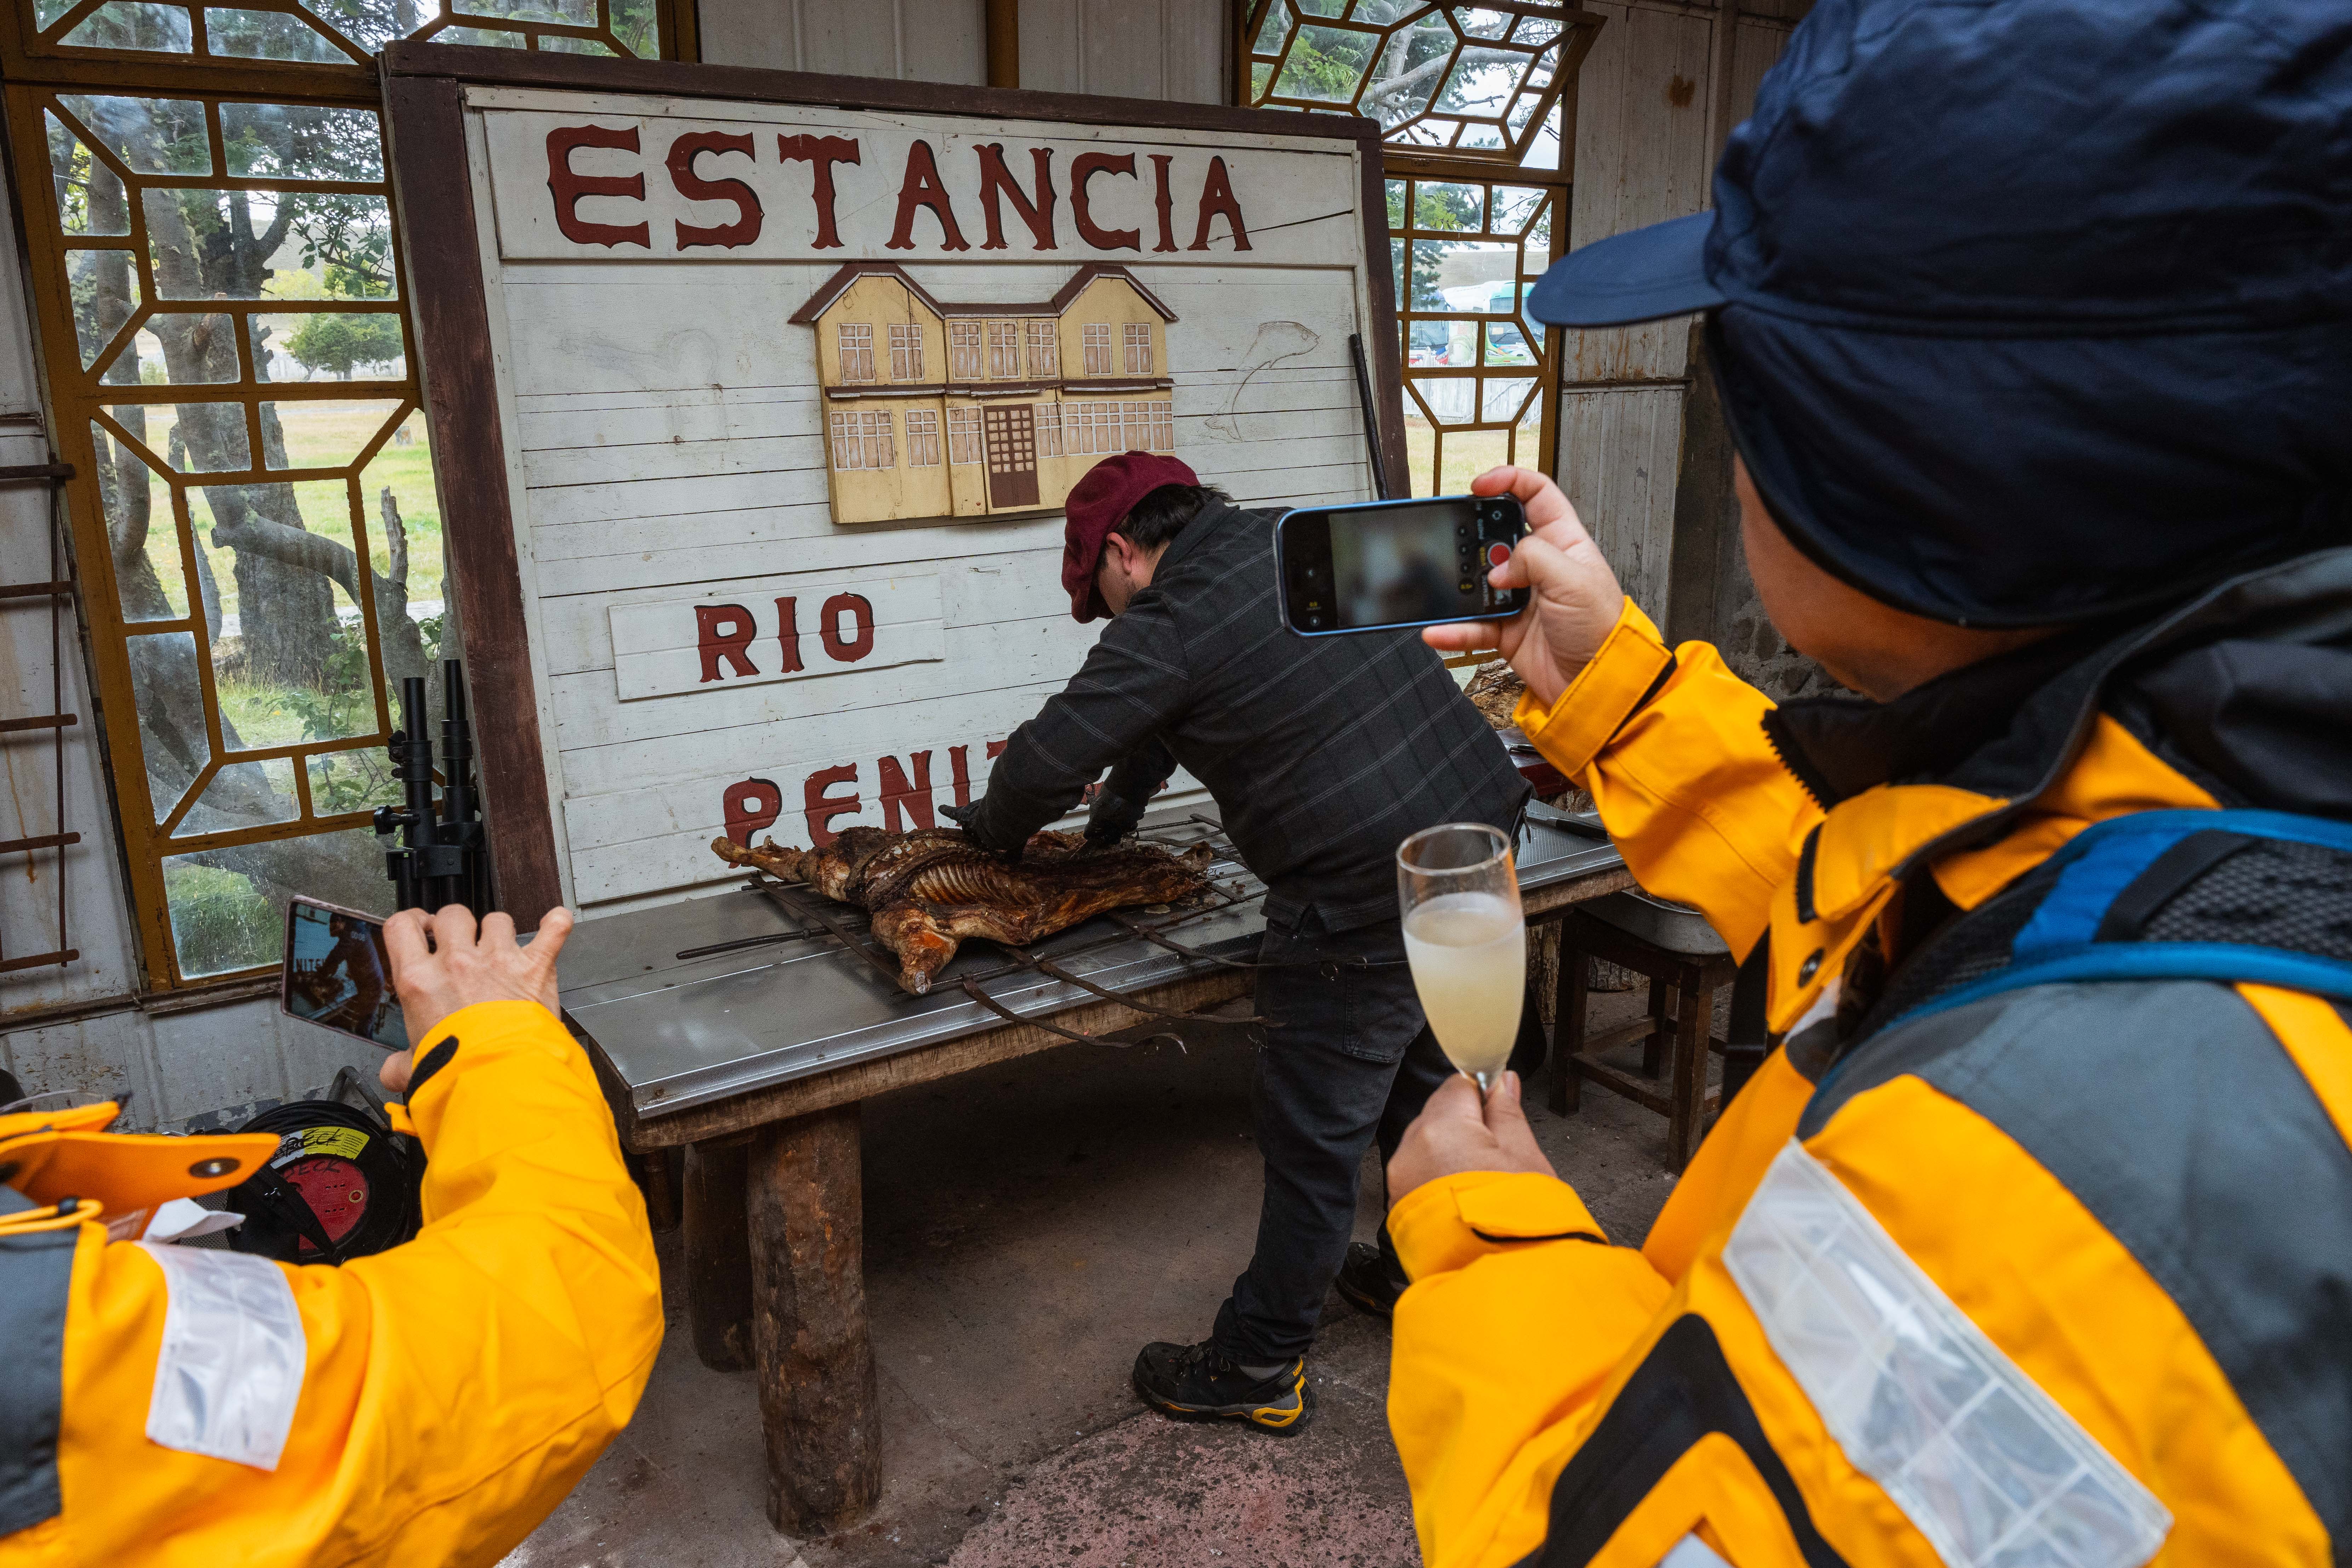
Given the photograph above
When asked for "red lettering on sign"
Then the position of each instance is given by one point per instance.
(860, 642)
(682, 153)
(823, 807)
(821, 153)
(750, 807)
(1217, 196)
(1085, 167)
(915, 796)
(788, 634)
(961, 768)
(996, 180)
(921, 188)
(1163, 202)
(567, 187)
(725, 632)
(996, 748)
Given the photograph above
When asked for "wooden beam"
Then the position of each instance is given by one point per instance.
(1003, 22)
(817, 1390)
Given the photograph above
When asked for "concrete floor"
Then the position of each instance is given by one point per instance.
(1027, 1227)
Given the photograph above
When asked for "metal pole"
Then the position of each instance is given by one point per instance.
(1371, 420)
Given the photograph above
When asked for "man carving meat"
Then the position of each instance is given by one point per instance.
(1322, 758)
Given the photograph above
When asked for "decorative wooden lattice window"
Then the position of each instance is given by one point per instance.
(963, 354)
(963, 435)
(922, 438)
(1005, 351)
(1095, 338)
(1044, 352)
(856, 352)
(906, 353)
(1137, 339)
(224, 340)
(1472, 102)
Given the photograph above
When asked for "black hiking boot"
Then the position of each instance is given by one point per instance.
(1368, 1283)
(1195, 1383)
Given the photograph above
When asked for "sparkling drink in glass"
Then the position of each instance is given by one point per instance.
(1466, 941)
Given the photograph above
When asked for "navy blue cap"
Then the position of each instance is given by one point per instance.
(2028, 311)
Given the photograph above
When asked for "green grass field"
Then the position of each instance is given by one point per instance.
(1468, 454)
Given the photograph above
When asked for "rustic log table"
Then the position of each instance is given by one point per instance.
(730, 1028)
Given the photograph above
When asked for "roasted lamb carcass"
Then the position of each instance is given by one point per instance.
(931, 888)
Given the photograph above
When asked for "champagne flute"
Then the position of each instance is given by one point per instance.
(1467, 940)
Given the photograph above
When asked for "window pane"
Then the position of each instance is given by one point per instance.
(301, 141)
(268, 36)
(151, 580)
(105, 292)
(150, 135)
(295, 643)
(318, 434)
(192, 438)
(244, 795)
(89, 195)
(169, 691)
(228, 906)
(134, 25)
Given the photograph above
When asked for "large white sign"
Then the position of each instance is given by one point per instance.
(715, 644)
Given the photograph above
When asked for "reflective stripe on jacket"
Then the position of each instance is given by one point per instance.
(428, 1405)
(2060, 1276)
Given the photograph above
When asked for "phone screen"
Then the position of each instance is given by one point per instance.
(1397, 564)
(1391, 567)
(338, 973)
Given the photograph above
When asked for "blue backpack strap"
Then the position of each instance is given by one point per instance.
(2115, 875)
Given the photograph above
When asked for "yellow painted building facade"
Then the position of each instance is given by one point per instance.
(937, 409)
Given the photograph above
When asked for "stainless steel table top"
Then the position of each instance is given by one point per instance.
(776, 1004)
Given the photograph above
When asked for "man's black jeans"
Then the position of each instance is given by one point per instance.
(1352, 1060)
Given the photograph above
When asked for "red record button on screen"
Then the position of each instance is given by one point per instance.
(1498, 554)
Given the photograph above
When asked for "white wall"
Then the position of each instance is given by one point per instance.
(1177, 50)
(909, 40)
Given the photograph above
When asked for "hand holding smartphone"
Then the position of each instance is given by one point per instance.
(1388, 565)
(338, 973)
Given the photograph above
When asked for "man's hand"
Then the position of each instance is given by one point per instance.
(964, 816)
(464, 965)
(1454, 1133)
(1577, 599)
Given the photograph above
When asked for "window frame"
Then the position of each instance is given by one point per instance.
(965, 353)
(906, 353)
(854, 347)
(38, 67)
(1095, 337)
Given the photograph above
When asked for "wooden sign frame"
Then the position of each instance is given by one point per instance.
(425, 88)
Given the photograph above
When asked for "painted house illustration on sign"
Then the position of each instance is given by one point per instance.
(939, 409)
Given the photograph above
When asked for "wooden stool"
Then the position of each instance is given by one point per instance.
(1633, 930)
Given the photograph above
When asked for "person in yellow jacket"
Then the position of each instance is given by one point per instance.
(2031, 1243)
(429, 1405)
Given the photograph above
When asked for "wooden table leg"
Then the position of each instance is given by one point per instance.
(817, 1392)
(1694, 1021)
(1654, 1044)
(1567, 1027)
(663, 1181)
(719, 1254)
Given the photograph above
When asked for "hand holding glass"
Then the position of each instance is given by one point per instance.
(1467, 942)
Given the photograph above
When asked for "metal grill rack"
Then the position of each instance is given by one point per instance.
(818, 917)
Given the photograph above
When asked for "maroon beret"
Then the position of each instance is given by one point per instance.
(1097, 504)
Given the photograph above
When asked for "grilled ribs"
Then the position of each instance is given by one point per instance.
(928, 889)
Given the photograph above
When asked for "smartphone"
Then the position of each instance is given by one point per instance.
(1382, 565)
(338, 973)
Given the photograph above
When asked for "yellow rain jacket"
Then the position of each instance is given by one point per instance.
(166, 1403)
(2060, 1276)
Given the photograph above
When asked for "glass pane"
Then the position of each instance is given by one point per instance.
(150, 135)
(336, 346)
(1276, 28)
(571, 13)
(133, 25)
(1470, 274)
(238, 243)
(482, 38)
(1326, 64)
(196, 437)
(402, 514)
(1448, 398)
(167, 689)
(371, 24)
(1527, 439)
(244, 795)
(301, 141)
(1515, 205)
(89, 195)
(105, 292)
(1482, 24)
(202, 352)
(268, 35)
(325, 435)
(228, 906)
(352, 781)
(1500, 401)
(142, 536)
(1543, 153)
(294, 650)
(565, 44)
(1468, 454)
(1505, 344)
(1447, 206)
(637, 25)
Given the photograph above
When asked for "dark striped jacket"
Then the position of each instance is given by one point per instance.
(1323, 753)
